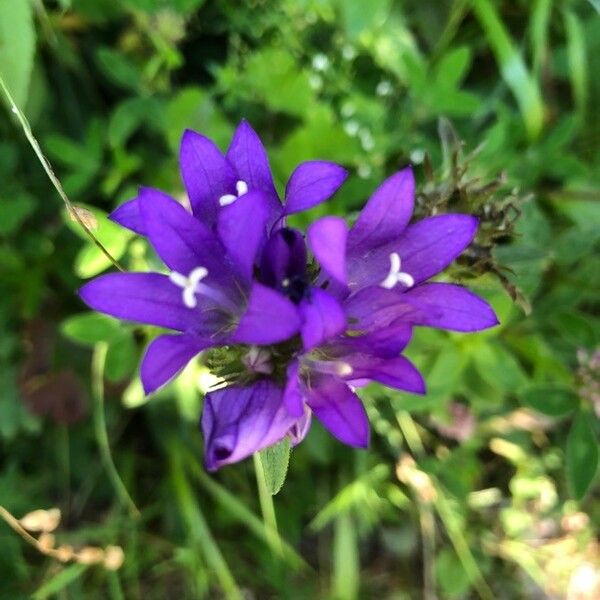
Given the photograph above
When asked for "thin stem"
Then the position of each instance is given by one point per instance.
(73, 212)
(267, 507)
(427, 523)
(198, 529)
(98, 361)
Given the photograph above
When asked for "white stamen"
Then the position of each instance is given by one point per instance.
(330, 367)
(227, 199)
(241, 188)
(396, 275)
(189, 284)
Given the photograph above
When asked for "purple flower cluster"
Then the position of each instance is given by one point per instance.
(291, 322)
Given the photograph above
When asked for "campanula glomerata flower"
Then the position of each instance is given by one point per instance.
(292, 323)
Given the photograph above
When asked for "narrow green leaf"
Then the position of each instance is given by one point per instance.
(512, 67)
(346, 563)
(539, 23)
(60, 581)
(550, 399)
(275, 461)
(577, 56)
(17, 47)
(581, 454)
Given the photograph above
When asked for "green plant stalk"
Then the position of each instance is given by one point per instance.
(98, 362)
(267, 507)
(49, 171)
(198, 528)
(236, 508)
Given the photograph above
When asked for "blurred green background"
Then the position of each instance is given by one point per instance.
(483, 488)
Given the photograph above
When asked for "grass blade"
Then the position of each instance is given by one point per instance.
(512, 67)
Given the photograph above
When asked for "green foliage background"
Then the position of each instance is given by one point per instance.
(500, 500)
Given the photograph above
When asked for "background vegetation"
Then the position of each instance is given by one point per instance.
(484, 488)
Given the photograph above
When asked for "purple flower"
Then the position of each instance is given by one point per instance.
(292, 323)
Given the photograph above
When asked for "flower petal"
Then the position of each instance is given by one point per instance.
(387, 342)
(398, 372)
(311, 183)
(207, 175)
(140, 297)
(387, 212)
(182, 241)
(269, 318)
(283, 261)
(327, 240)
(448, 306)
(301, 427)
(292, 394)
(425, 249)
(128, 215)
(247, 154)
(340, 410)
(239, 421)
(242, 229)
(166, 356)
(322, 318)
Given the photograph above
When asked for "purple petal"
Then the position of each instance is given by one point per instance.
(340, 410)
(398, 372)
(128, 215)
(301, 427)
(327, 240)
(448, 306)
(387, 342)
(322, 318)
(387, 212)
(206, 173)
(311, 183)
(269, 318)
(374, 309)
(425, 249)
(242, 229)
(166, 356)
(239, 421)
(140, 297)
(247, 154)
(284, 260)
(182, 242)
(292, 394)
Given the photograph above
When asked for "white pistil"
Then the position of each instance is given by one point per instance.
(258, 360)
(396, 275)
(241, 188)
(189, 284)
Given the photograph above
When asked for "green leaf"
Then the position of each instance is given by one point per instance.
(581, 454)
(550, 399)
(512, 67)
(118, 68)
(121, 356)
(91, 328)
(13, 211)
(578, 65)
(60, 581)
(275, 461)
(453, 67)
(17, 47)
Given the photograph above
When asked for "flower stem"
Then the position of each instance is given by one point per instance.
(73, 212)
(98, 362)
(267, 507)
